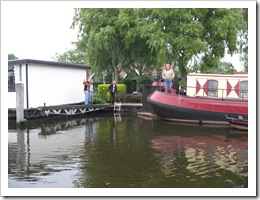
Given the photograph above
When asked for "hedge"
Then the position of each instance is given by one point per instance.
(103, 91)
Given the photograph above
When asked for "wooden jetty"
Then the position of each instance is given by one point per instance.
(82, 109)
(74, 109)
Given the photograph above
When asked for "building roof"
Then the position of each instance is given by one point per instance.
(30, 61)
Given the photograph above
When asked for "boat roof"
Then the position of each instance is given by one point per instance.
(241, 75)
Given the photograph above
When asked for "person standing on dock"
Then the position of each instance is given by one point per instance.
(168, 75)
(112, 89)
(86, 91)
(90, 100)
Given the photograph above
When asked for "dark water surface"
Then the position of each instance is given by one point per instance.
(125, 151)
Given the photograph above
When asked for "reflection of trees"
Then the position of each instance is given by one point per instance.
(120, 158)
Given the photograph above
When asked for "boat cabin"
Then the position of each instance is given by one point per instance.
(231, 86)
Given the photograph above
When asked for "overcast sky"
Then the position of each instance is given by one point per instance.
(39, 30)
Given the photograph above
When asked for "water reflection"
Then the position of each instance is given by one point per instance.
(121, 150)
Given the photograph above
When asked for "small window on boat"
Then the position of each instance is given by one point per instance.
(244, 89)
(213, 88)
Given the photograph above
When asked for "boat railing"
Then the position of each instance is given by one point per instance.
(219, 93)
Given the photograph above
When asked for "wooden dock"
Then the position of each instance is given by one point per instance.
(83, 109)
(73, 110)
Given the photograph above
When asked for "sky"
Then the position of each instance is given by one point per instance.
(39, 30)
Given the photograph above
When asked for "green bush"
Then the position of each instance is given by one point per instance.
(104, 94)
(134, 99)
(97, 99)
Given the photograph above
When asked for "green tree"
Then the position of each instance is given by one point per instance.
(71, 56)
(182, 34)
(243, 42)
(12, 57)
(146, 38)
(99, 37)
(112, 40)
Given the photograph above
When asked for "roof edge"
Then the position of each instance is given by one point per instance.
(31, 61)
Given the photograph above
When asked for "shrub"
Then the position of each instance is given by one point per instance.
(97, 99)
(103, 91)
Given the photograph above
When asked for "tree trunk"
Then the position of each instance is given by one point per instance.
(115, 72)
(183, 70)
(183, 75)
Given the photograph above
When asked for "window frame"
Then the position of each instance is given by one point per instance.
(243, 91)
(212, 92)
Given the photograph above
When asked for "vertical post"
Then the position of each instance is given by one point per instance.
(19, 88)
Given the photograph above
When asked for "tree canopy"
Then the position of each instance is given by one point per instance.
(12, 56)
(146, 38)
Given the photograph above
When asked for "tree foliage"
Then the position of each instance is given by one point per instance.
(12, 56)
(145, 38)
(71, 56)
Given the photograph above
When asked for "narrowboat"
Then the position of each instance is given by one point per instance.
(209, 97)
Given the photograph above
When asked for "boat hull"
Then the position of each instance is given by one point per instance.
(192, 109)
(238, 122)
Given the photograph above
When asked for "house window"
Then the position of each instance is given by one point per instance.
(244, 89)
(11, 79)
(213, 88)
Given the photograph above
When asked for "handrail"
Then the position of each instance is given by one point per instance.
(241, 92)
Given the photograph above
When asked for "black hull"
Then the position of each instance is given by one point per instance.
(184, 114)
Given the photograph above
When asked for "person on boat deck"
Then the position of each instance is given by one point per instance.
(168, 75)
(86, 90)
(112, 89)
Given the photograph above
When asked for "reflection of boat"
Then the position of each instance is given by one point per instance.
(203, 154)
(204, 102)
(238, 121)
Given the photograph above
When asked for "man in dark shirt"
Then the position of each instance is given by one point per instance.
(113, 89)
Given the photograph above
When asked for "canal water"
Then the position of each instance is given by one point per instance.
(125, 151)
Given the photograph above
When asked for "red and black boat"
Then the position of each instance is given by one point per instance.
(238, 121)
(204, 103)
(195, 109)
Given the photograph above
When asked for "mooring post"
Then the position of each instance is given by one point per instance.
(19, 89)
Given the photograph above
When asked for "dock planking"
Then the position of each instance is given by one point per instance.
(72, 109)
(82, 109)
(72, 106)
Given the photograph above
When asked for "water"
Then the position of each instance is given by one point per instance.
(125, 151)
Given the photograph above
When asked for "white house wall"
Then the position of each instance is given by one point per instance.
(49, 85)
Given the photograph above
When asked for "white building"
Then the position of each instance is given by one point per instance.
(46, 83)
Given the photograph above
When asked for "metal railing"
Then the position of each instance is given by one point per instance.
(243, 94)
